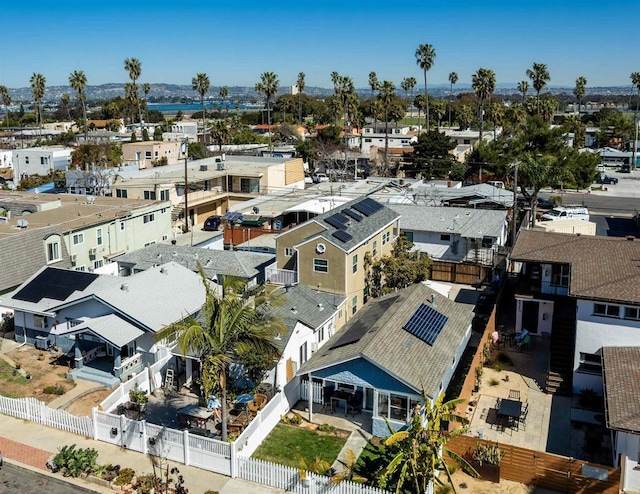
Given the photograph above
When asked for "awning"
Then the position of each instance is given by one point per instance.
(111, 328)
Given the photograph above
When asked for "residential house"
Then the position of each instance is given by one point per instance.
(395, 347)
(467, 139)
(147, 154)
(456, 235)
(328, 251)
(65, 230)
(582, 291)
(621, 374)
(105, 324)
(448, 193)
(182, 130)
(249, 267)
(311, 317)
(95, 181)
(396, 137)
(40, 160)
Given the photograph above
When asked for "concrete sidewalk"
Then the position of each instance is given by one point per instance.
(30, 445)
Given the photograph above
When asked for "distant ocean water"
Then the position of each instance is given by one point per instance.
(193, 107)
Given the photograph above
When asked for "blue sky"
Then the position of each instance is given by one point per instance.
(236, 41)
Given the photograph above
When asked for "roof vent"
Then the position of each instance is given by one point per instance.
(294, 310)
(163, 270)
(124, 287)
(433, 299)
(320, 307)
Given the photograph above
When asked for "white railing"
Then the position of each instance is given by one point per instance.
(129, 363)
(263, 423)
(289, 480)
(317, 391)
(36, 411)
(281, 276)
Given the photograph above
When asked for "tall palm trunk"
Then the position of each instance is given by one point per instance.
(223, 405)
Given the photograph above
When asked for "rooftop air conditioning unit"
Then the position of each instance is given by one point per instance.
(73, 258)
(203, 168)
(220, 165)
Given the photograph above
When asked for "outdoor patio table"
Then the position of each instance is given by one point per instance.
(343, 396)
(194, 415)
(510, 409)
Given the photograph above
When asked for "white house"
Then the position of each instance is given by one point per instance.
(374, 135)
(182, 130)
(40, 160)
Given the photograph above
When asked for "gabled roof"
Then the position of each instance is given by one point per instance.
(244, 265)
(381, 339)
(111, 328)
(605, 268)
(466, 222)
(302, 304)
(621, 370)
(358, 230)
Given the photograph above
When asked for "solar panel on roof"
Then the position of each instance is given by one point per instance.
(367, 206)
(426, 323)
(352, 214)
(337, 221)
(342, 235)
(56, 284)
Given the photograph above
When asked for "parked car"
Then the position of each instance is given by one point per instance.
(626, 168)
(320, 177)
(211, 224)
(308, 179)
(601, 168)
(606, 179)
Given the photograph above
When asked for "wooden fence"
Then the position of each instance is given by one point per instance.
(37, 411)
(546, 470)
(454, 272)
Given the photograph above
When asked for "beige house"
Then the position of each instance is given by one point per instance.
(328, 251)
(147, 154)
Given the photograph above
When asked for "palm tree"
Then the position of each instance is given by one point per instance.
(539, 75)
(146, 89)
(38, 82)
(373, 82)
(419, 103)
(300, 84)
(65, 102)
(334, 78)
(78, 81)
(349, 473)
(483, 83)
(464, 116)
(495, 113)
(408, 83)
(230, 326)
(425, 54)
(420, 448)
(538, 171)
(523, 87)
(6, 101)
(134, 67)
(268, 86)
(131, 96)
(635, 80)
(200, 84)
(580, 90)
(386, 96)
(224, 94)
(220, 133)
(453, 78)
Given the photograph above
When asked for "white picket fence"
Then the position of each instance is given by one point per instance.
(289, 479)
(263, 423)
(37, 411)
(317, 391)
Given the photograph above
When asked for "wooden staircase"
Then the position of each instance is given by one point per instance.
(562, 347)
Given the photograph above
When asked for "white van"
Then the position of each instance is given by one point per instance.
(567, 213)
(496, 183)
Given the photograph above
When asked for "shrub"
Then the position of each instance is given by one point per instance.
(138, 396)
(125, 476)
(498, 366)
(74, 462)
(494, 382)
(53, 390)
(488, 453)
(444, 489)
(326, 428)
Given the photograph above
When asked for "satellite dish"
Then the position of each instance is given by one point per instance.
(91, 199)
(321, 248)
(22, 223)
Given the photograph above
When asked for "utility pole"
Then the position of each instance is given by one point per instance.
(185, 148)
(515, 203)
(635, 139)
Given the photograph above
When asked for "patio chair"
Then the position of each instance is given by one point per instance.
(327, 393)
(354, 405)
(260, 400)
(514, 394)
(525, 342)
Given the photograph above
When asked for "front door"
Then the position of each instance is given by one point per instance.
(368, 398)
(530, 316)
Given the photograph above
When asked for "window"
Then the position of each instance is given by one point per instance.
(375, 248)
(365, 294)
(386, 237)
(164, 195)
(122, 193)
(39, 322)
(81, 268)
(445, 237)
(398, 407)
(148, 218)
(150, 195)
(43, 160)
(354, 304)
(303, 353)
(591, 363)
(250, 185)
(367, 139)
(99, 236)
(147, 155)
(354, 263)
(321, 335)
(288, 251)
(26, 160)
(53, 251)
(560, 275)
(606, 310)
(487, 242)
(74, 322)
(320, 265)
(632, 313)
(78, 238)
(98, 263)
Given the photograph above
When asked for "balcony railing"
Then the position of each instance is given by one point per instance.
(284, 277)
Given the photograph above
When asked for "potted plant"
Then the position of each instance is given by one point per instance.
(488, 458)
(139, 399)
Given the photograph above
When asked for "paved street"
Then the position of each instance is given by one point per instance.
(17, 479)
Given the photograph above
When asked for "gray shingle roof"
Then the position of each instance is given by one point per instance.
(312, 308)
(604, 268)
(471, 223)
(622, 387)
(436, 196)
(359, 230)
(111, 328)
(389, 346)
(244, 265)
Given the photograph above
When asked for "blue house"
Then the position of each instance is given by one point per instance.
(394, 347)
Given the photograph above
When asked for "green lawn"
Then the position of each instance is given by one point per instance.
(287, 445)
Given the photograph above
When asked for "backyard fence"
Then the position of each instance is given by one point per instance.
(36, 411)
(546, 470)
(290, 480)
(317, 391)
